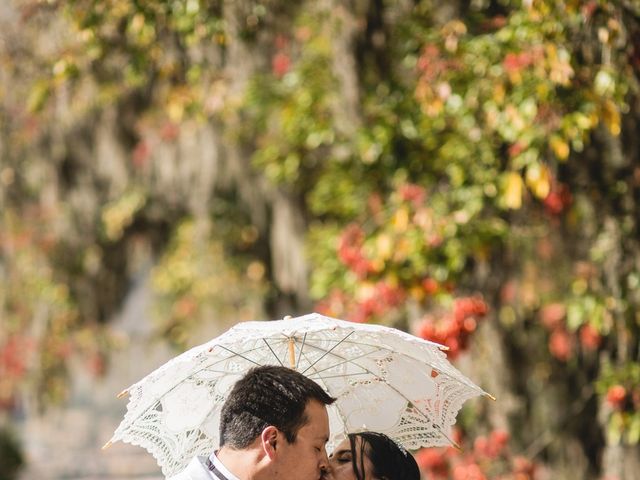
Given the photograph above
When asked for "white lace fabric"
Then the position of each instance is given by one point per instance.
(384, 380)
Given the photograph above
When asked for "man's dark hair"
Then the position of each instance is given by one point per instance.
(268, 395)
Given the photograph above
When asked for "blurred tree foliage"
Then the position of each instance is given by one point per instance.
(466, 170)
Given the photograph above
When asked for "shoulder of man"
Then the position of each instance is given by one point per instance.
(195, 470)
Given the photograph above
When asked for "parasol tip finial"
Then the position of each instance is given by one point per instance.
(107, 445)
(287, 317)
(491, 397)
(123, 393)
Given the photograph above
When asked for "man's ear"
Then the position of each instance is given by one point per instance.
(269, 440)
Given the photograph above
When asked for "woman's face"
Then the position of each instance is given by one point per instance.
(341, 462)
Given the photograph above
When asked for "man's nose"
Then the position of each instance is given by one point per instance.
(324, 460)
(326, 472)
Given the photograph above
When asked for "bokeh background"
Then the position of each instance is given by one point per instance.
(465, 170)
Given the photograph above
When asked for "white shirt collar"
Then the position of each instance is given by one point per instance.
(218, 464)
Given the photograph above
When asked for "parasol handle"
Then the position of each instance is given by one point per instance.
(292, 353)
(292, 350)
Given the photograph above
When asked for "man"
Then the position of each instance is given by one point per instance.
(274, 425)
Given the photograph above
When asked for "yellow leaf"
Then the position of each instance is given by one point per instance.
(175, 110)
(433, 108)
(401, 220)
(416, 292)
(364, 291)
(377, 265)
(499, 93)
(137, 22)
(60, 67)
(559, 64)
(515, 78)
(611, 118)
(391, 279)
(538, 180)
(423, 91)
(559, 147)
(542, 91)
(513, 192)
(402, 250)
(385, 246)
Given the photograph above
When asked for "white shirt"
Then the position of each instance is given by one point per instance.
(199, 469)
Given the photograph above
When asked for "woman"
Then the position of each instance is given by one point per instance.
(371, 456)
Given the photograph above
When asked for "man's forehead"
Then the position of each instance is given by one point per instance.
(317, 419)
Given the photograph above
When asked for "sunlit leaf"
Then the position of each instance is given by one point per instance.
(513, 191)
(538, 180)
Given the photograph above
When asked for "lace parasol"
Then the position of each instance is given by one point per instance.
(384, 380)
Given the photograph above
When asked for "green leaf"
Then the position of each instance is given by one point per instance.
(633, 433)
(38, 96)
(615, 428)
